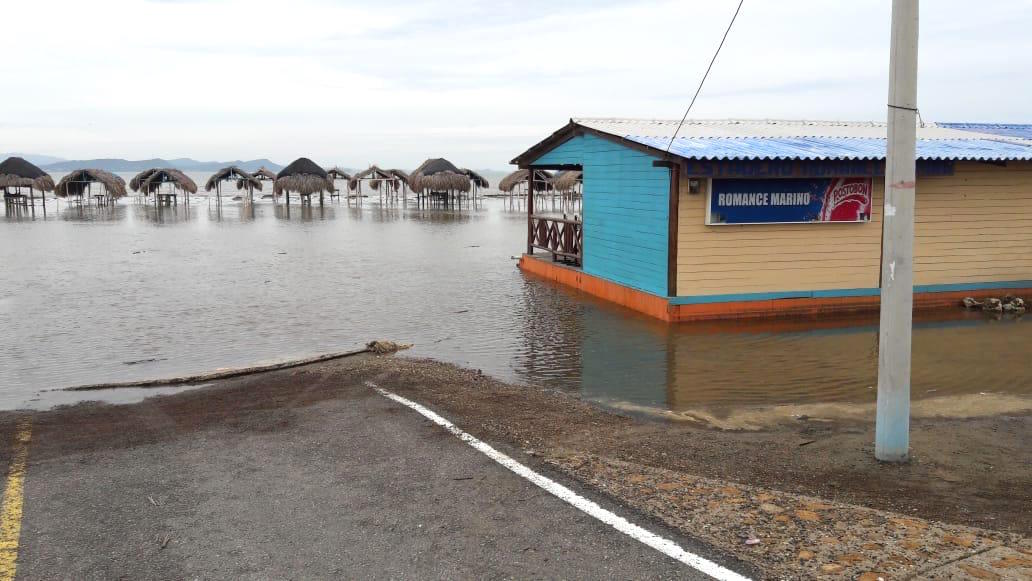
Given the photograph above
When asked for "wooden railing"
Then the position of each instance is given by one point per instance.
(562, 237)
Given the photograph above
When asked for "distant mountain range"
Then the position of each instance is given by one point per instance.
(183, 163)
(32, 158)
(57, 164)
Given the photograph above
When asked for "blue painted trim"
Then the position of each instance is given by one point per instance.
(844, 292)
(742, 297)
(960, 286)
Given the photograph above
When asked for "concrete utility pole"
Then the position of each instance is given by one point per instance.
(892, 427)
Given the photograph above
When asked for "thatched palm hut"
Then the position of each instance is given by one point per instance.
(517, 180)
(231, 173)
(335, 173)
(476, 180)
(151, 181)
(264, 174)
(439, 179)
(567, 182)
(79, 184)
(386, 181)
(400, 181)
(305, 177)
(15, 174)
(137, 180)
(404, 177)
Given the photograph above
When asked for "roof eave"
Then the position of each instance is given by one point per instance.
(571, 130)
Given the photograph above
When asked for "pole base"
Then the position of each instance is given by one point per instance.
(894, 456)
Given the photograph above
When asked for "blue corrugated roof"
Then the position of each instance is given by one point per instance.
(811, 148)
(1005, 129)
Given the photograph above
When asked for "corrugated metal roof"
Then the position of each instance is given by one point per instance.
(839, 148)
(787, 139)
(766, 128)
(1004, 129)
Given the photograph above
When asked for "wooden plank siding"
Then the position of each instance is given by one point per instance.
(972, 227)
(626, 211)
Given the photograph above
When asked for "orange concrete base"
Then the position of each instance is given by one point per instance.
(637, 300)
(812, 307)
(660, 307)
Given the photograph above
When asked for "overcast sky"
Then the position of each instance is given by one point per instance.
(354, 83)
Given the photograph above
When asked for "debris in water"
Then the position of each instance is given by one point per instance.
(1009, 304)
(970, 303)
(1013, 305)
(385, 347)
(993, 306)
(139, 361)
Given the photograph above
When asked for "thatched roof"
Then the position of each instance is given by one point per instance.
(542, 180)
(438, 175)
(16, 172)
(264, 174)
(137, 180)
(243, 179)
(477, 179)
(566, 181)
(148, 181)
(303, 176)
(335, 173)
(76, 182)
(374, 175)
(401, 175)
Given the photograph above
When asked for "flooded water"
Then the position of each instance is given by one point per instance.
(129, 292)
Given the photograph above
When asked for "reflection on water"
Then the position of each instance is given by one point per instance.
(729, 364)
(133, 291)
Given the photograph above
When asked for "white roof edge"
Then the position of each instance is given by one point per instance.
(772, 128)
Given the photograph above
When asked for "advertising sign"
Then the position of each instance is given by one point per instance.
(790, 200)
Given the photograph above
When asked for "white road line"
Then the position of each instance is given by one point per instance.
(665, 546)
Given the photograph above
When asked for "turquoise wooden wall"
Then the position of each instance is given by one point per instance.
(626, 211)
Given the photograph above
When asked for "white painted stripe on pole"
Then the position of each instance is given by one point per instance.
(665, 546)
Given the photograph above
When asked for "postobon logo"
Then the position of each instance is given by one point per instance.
(847, 200)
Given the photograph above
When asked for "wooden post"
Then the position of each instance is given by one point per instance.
(530, 213)
(672, 243)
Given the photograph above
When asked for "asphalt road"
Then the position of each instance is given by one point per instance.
(353, 486)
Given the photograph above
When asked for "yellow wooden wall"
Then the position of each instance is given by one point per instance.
(974, 226)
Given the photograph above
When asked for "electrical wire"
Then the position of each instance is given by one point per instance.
(706, 74)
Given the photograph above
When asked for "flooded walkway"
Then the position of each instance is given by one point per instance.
(132, 292)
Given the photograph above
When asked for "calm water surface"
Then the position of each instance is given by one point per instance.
(133, 292)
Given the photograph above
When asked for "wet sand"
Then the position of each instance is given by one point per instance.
(808, 489)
